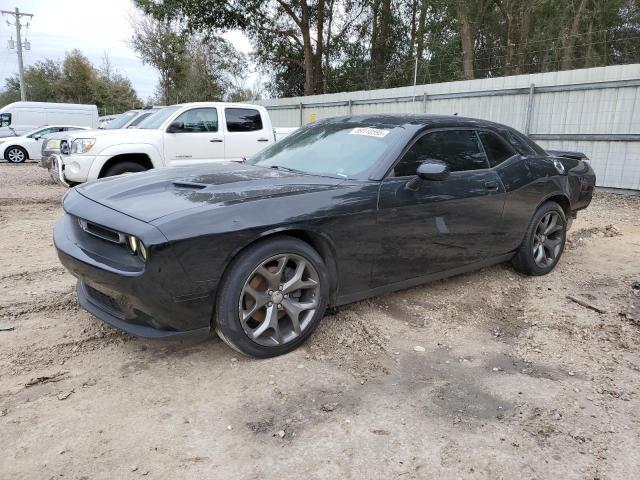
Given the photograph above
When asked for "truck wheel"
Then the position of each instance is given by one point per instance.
(123, 167)
(15, 154)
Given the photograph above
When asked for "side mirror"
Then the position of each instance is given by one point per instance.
(429, 169)
(37, 137)
(175, 127)
(434, 170)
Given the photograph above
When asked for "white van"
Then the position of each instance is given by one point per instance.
(20, 117)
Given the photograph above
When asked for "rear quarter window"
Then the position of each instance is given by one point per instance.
(243, 119)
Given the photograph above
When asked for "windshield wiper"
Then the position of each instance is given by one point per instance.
(293, 170)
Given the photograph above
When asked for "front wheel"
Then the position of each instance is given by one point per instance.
(544, 241)
(124, 167)
(272, 297)
(16, 154)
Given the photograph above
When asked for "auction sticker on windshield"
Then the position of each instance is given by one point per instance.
(369, 132)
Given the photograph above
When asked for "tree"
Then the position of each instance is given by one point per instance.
(75, 80)
(307, 47)
(160, 45)
(193, 67)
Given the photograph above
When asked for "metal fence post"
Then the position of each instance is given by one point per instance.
(424, 102)
(301, 116)
(350, 105)
(527, 121)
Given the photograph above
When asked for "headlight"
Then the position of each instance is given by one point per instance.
(82, 145)
(136, 247)
(52, 143)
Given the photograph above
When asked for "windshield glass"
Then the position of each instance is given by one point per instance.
(342, 150)
(157, 119)
(120, 120)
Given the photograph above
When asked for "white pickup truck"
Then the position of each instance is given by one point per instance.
(177, 135)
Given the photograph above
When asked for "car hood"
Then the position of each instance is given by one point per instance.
(148, 196)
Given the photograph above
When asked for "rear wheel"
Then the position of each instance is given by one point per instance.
(16, 154)
(272, 297)
(124, 167)
(544, 241)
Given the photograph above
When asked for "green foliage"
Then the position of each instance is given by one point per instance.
(74, 80)
(193, 67)
(373, 43)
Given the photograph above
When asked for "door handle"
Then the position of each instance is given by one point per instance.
(263, 139)
(491, 185)
(216, 140)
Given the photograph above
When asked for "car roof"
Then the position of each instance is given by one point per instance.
(414, 120)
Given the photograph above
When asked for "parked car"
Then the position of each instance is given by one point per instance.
(29, 146)
(129, 119)
(176, 135)
(339, 211)
(104, 119)
(19, 118)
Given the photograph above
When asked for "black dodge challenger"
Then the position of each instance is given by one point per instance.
(341, 210)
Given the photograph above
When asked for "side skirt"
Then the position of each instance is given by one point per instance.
(413, 282)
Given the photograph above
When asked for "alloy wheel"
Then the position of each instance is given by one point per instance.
(15, 155)
(279, 299)
(547, 239)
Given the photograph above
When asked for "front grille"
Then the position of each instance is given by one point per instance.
(101, 232)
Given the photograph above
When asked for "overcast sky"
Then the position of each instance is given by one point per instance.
(94, 27)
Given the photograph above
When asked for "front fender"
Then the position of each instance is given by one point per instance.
(108, 153)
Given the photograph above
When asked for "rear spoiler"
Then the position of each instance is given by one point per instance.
(566, 154)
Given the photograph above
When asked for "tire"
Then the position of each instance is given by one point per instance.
(123, 167)
(248, 303)
(15, 154)
(544, 242)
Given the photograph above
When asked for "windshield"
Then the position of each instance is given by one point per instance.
(120, 120)
(157, 119)
(341, 150)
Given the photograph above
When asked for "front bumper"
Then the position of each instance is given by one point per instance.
(153, 300)
(56, 169)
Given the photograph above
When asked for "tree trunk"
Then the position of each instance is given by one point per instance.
(309, 78)
(525, 26)
(327, 49)
(317, 59)
(467, 40)
(511, 28)
(567, 55)
(422, 25)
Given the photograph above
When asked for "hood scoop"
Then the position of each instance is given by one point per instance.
(189, 185)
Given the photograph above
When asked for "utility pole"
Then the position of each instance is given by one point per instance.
(17, 15)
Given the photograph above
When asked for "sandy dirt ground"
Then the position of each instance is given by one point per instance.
(510, 379)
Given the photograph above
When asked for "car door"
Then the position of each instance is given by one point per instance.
(245, 133)
(194, 136)
(434, 226)
(34, 144)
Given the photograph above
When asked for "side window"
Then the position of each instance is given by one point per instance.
(460, 149)
(521, 143)
(44, 131)
(199, 120)
(497, 151)
(243, 119)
